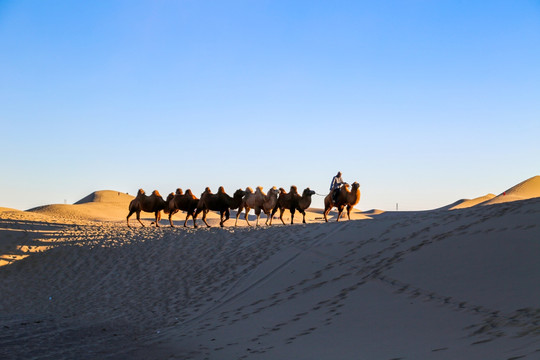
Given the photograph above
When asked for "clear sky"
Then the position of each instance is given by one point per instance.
(422, 102)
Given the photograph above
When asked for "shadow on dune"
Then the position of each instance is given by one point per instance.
(22, 238)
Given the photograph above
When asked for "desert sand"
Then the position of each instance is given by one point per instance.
(460, 282)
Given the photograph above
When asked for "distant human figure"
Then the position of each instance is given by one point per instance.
(335, 185)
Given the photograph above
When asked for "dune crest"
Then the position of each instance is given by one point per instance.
(527, 189)
(106, 196)
(467, 203)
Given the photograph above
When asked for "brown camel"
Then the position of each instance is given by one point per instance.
(259, 201)
(293, 201)
(345, 198)
(186, 202)
(270, 201)
(218, 202)
(153, 203)
(304, 202)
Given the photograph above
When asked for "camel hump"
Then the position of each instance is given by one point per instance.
(179, 191)
(140, 192)
(294, 189)
(188, 192)
(221, 190)
(249, 190)
(156, 193)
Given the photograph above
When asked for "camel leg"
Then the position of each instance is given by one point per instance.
(340, 210)
(281, 211)
(292, 215)
(246, 215)
(139, 217)
(204, 217)
(349, 211)
(240, 208)
(158, 217)
(258, 214)
(227, 216)
(170, 219)
(192, 217)
(303, 217)
(127, 218)
(221, 218)
(197, 212)
(326, 211)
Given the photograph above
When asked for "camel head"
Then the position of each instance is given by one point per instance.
(273, 192)
(294, 190)
(179, 191)
(238, 194)
(170, 197)
(355, 186)
(307, 192)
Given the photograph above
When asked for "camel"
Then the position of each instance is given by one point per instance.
(270, 201)
(259, 201)
(153, 203)
(249, 201)
(186, 202)
(304, 202)
(345, 198)
(293, 201)
(218, 202)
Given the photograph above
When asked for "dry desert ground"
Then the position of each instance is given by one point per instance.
(460, 282)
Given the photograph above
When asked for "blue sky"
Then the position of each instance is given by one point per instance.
(421, 102)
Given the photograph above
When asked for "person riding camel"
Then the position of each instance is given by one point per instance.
(335, 186)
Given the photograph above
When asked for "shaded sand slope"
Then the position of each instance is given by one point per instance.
(415, 285)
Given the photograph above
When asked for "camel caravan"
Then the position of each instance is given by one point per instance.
(242, 201)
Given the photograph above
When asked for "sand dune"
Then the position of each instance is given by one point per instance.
(466, 203)
(527, 189)
(107, 196)
(458, 284)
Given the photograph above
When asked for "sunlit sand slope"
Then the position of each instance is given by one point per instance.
(463, 204)
(527, 189)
